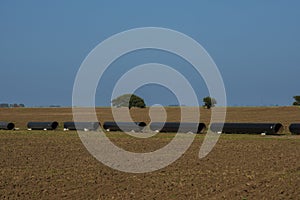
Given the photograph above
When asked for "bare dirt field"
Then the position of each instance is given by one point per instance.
(284, 115)
(56, 165)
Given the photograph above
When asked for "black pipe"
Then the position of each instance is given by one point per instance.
(7, 126)
(81, 125)
(247, 128)
(124, 126)
(177, 127)
(295, 129)
(42, 125)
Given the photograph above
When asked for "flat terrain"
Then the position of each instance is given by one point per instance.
(56, 165)
(284, 115)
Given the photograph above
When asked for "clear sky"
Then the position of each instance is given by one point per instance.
(255, 44)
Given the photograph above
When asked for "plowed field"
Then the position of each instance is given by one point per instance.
(56, 165)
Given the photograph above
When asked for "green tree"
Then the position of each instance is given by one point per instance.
(209, 102)
(129, 100)
(297, 101)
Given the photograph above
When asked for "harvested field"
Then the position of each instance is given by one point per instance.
(283, 115)
(56, 165)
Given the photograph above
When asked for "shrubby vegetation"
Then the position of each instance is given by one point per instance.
(129, 100)
(209, 102)
(15, 105)
(297, 101)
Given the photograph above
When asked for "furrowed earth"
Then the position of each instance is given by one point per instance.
(56, 165)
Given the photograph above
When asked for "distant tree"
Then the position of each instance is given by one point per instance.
(297, 101)
(4, 105)
(21, 105)
(54, 106)
(209, 102)
(129, 100)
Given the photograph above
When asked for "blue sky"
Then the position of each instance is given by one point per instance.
(255, 44)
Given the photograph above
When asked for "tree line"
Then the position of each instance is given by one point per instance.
(132, 100)
(15, 105)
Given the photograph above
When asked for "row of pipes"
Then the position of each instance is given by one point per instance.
(229, 128)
